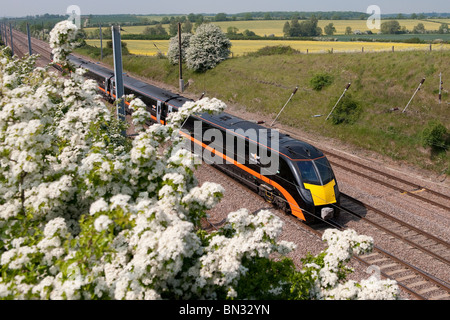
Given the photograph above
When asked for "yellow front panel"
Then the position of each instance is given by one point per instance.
(322, 195)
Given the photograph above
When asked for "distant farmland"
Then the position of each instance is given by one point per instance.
(275, 27)
(240, 47)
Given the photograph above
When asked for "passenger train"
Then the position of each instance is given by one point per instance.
(303, 184)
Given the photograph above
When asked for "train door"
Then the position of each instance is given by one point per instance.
(158, 112)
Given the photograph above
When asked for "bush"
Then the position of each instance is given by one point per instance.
(208, 47)
(174, 51)
(435, 135)
(347, 111)
(321, 80)
(273, 50)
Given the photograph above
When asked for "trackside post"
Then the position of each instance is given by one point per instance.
(30, 50)
(118, 71)
(343, 94)
(417, 90)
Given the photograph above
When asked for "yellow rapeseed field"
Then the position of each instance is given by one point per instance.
(240, 47)
(275, 27)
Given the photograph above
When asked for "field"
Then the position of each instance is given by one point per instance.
(275, 27)
(240, 47)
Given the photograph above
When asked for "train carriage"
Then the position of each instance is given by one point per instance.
(289, 173)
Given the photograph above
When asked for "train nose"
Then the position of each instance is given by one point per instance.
(327, 213)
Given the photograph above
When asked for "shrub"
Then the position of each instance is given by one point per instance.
(347, 111)
(208, 47)
(435, 135)
(273, 50)
(321, 80)
(174, 51)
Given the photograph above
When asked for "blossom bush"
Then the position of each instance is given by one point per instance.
(207, 48)
(85, 213)
(173, 53)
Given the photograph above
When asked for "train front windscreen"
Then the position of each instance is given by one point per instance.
(317, 172)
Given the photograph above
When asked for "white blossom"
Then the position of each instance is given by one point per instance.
(102, 223)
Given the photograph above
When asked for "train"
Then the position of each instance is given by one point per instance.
(299, 178)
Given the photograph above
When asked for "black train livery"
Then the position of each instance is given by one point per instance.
(289, 173)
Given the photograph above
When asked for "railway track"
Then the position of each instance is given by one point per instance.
(412, 280)
(416, 281)
(434, 198)
(402, 186)
(38, 46)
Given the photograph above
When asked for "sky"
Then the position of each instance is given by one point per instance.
(20, 8)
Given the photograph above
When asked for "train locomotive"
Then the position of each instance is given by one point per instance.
(301, 182)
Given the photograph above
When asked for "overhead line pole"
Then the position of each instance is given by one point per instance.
(11, 34)
(101, 42)
(30, 50)
(180, 58)
(6, 34)
(118, 71)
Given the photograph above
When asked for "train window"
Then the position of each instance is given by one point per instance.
(325, 171)
(308, 172)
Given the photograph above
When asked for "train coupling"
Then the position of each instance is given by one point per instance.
(327, 213)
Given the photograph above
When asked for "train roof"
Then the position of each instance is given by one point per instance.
(289, 147)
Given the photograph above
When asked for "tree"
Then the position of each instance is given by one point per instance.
(330, 29)
(390, 27)
(173, 53)
(248, 33)
(87, 214)
(286, 29)
(157, 30)
(187, 27)
(420, 28)
(208, 47)
(443, 28)
(348, 30)
(295, 28)
(232, 31)
(220, 17)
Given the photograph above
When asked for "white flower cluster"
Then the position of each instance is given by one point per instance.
(62, 40)
(255, 236)
(204, 105)
(328, 277)
(173, 54)
(204, 50)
